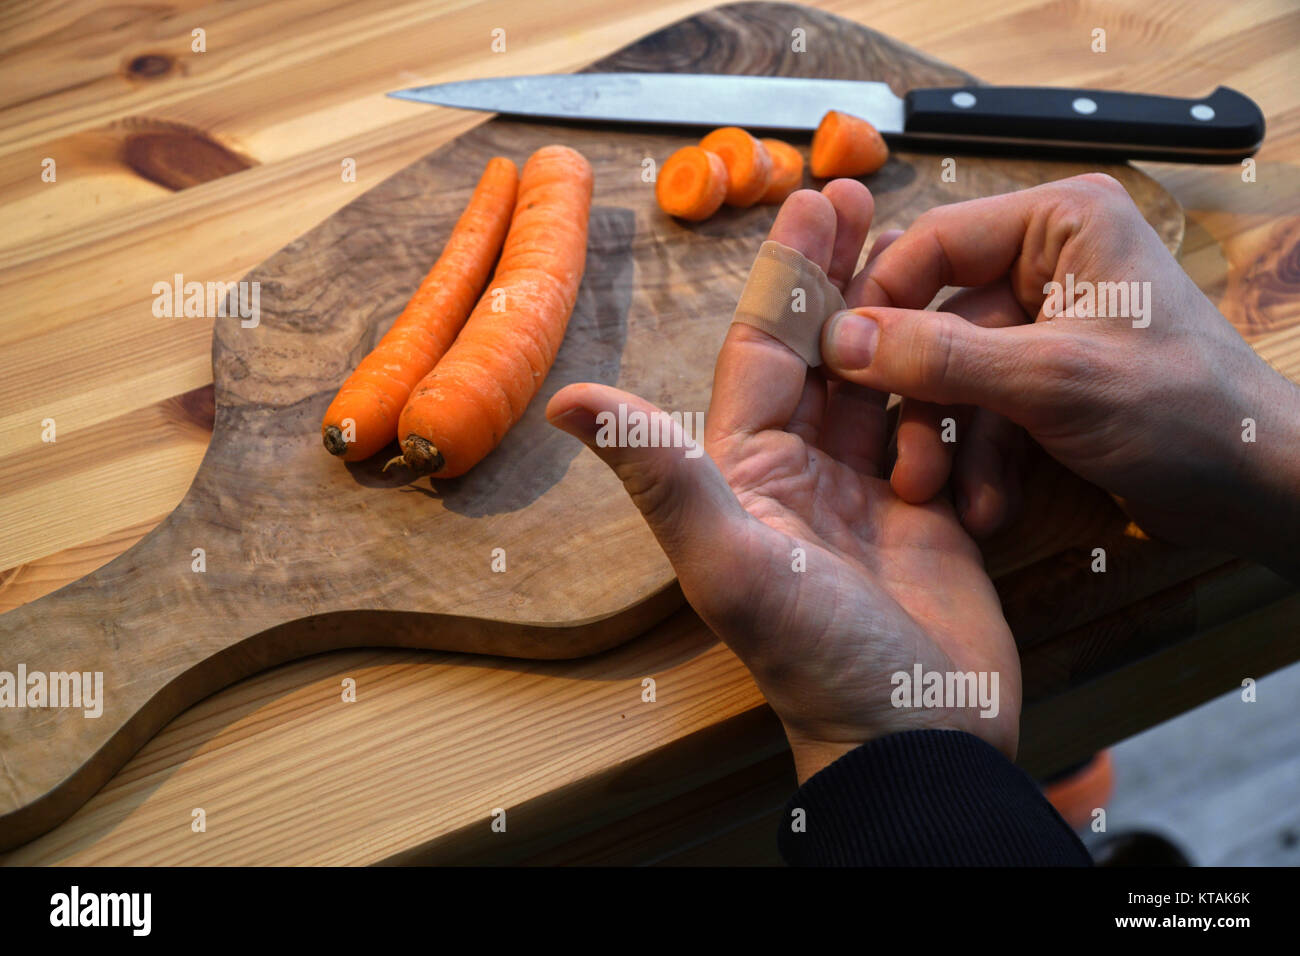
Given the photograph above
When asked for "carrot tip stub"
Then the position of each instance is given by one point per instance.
(419, 455)
(333, 439)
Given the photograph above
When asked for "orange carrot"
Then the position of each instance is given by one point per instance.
(692, 184)
(465, 406)
(363, 416)
(787, 170)
(846, 145)
(749, 168)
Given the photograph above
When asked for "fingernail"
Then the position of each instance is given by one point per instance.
(852, 340)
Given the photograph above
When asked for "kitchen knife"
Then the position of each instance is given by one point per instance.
(1223, 127)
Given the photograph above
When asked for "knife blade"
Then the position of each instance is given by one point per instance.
(1224, 127)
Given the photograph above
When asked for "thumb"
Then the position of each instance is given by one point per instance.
(935, 356)
(660, 460)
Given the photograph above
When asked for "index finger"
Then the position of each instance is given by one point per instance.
(758, 381)
(977, 242)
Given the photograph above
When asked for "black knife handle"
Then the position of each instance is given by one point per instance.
(1224, 127)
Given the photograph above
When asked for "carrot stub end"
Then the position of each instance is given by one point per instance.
(335, 443)
(749, 167)
(846, 145)
(419, 455)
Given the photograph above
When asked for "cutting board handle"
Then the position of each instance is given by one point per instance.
(116, 628)
(194, 606)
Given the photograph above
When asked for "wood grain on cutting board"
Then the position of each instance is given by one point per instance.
(179, 413)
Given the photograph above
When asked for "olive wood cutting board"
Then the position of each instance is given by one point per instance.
(302, 554)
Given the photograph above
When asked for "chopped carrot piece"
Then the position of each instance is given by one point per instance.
(692, 184)
(787, 170)
(749, 167)
(846, 145)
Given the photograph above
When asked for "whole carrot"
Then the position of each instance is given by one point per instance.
(465, 406)
(363, 416)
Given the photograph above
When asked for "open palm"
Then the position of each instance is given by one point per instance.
(794, 550)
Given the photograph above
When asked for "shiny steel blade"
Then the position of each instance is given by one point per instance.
(692, 99)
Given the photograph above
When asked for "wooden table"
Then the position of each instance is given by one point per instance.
(221, 157)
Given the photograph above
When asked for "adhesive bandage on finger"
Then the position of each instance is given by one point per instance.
(789, 297)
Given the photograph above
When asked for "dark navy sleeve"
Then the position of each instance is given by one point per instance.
(925, 798)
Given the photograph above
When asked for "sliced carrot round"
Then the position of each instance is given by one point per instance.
(787, 170)
(846, 145)
(692, 184)
(749, 167)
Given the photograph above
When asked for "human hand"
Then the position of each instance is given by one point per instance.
(794, 464)
(1150, 407)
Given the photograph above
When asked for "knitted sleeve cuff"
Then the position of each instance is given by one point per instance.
(925, 798)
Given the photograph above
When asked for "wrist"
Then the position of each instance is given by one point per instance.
(1269, 498)
(813, 753)
(813, 756)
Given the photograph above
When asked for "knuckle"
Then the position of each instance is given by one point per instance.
(1103, 183)
(932, 221)
(1066, 368)
(934, 346)
(929, 216)
(1096, 210)
(1094, 192)
(645, 484)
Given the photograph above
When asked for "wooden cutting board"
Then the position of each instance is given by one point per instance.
(302, 554)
